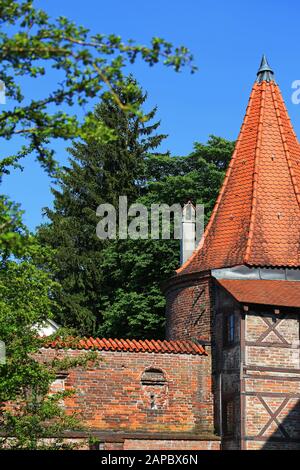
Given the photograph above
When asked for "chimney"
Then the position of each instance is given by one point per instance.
(188, 238)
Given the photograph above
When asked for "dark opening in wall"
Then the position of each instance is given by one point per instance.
(229, 329)
(155, 389)
(228, 417)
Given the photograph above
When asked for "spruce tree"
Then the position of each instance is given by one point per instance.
(98, 172)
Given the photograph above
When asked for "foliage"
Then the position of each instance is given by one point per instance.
(134, 270)
(13, 234)
(28, 413)
(113, 287)
(80, 66)
(98, 173)
(196, 177)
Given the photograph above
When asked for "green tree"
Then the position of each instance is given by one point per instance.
(113, 287)
(80, 66)
(196, 177)
(98, 173)
(13, 234)
(134, 270)
(28, 413)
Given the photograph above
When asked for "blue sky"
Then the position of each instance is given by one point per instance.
(227, 40)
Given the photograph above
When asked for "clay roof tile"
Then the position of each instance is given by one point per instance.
(265, 292)
(258, 206)
(150, 346)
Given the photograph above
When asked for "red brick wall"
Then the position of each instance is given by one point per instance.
(189, 316)
(112, 396)
(189, 306)
(263, 380)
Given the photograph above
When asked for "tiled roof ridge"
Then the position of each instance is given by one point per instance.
(283, 138)
(129, 345)
(255, 173)
(225, 182)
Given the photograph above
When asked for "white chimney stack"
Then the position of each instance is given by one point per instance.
(188, 239)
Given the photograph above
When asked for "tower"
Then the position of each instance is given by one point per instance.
(239, 292)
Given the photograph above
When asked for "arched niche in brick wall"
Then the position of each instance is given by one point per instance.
(155, 389)
(153, 376)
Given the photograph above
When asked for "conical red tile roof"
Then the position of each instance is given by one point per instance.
(256, 219)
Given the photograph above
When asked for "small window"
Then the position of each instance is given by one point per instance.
(228, 417)
(229, 329)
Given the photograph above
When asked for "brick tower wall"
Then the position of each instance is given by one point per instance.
(189, 316)
(189, 308)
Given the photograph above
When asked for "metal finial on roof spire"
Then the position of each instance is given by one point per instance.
(265, 73)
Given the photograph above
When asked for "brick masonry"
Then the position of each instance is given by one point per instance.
(260, 372)
(134, 393)
(143, 400)
(272, 379)
(189, 307)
